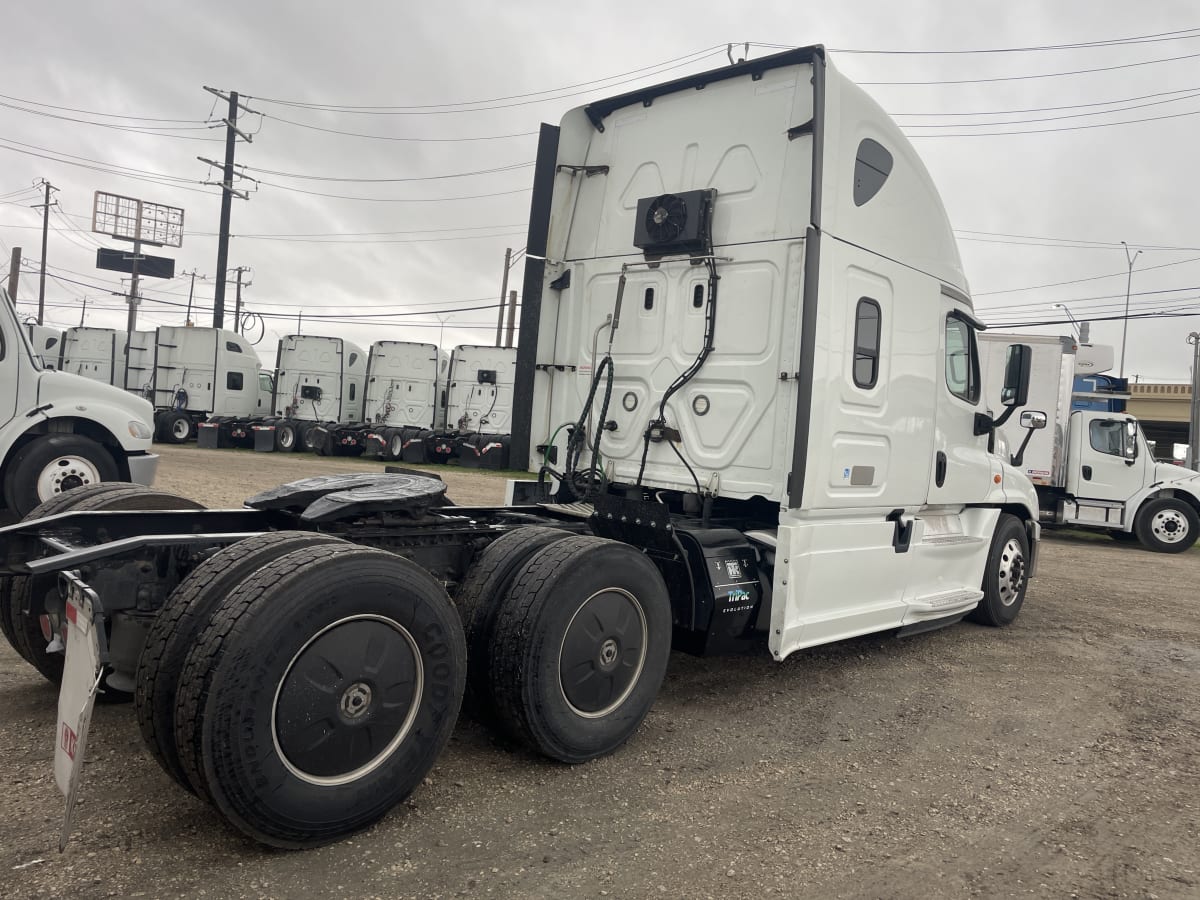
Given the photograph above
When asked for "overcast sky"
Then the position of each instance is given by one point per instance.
(1043, 177)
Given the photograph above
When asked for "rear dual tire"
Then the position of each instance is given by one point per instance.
(320, 693)
(580, 648)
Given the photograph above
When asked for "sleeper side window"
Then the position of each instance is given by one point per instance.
(872, 166)
(233, 381)
(962, 360)
(867, 322)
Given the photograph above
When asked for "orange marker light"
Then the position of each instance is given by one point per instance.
(996, 478)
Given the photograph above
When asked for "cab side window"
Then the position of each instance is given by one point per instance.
(867, 320)
(962, 360)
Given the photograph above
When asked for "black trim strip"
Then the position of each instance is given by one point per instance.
(597, 112)
(818, 144)
(531, 294)
(804, 383)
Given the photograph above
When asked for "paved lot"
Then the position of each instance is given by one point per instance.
(1059, 757)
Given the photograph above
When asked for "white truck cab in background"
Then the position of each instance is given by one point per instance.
(1091, 468)
(59, 431)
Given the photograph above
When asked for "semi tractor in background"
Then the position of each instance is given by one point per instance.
(202, 372)
(748, 379)
(59, 431)
(317, 379)
(1087, 458)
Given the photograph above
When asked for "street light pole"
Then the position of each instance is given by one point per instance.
(1125, 322)
(1074, 322)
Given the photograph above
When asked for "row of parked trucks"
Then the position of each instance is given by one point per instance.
(399, 400)
(752, 384)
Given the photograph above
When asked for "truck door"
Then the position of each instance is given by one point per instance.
(961, 465)
(10, 362)
(1104, 460)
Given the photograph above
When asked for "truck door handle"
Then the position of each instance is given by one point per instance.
(1087, 473)
(939, 470)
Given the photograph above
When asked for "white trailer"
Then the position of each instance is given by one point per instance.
(1091, 468)
(198, 373)
(317, 379)
(59, 431)
(749, 377)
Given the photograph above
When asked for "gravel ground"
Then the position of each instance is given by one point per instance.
(1058, 757)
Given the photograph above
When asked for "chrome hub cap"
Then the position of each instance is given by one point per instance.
(1012, 572)
(1169, 526)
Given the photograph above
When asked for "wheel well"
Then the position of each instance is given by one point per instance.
(83, 427)
(1178, 495)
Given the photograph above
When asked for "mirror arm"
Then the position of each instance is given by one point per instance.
(1019, 457)
(1004, 416)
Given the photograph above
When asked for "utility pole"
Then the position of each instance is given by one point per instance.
(14, 275)
(83, 312)
(45, 208)
(187, 319)
(1193, 453)
(503, 294)
(228, 192)
(512, 317)
(134, 299)
(237, 310)
(1125, 322)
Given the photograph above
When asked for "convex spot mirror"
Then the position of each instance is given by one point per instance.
(1016, 375)
(1033, 418)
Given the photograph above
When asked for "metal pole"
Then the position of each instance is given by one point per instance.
(503, 293)
(237, 310)
(42, 276)
(134, 300)
(14, 275)
(1193, 452)
(83, 312)
(187, 319)
(1125, 320)
(226, 209)
(512, 317)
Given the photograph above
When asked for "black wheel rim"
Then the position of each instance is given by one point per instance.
(603, 652)
(347, 700)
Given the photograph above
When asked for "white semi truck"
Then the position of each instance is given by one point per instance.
(46, 342)
(198, 373)
(59, 431)
(404, 397)
(1091, 468)
(317, 380)
(748, 377)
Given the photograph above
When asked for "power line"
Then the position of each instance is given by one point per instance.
(1183, 34)
(1134, 65)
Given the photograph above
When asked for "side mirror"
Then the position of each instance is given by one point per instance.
(1017, 363)
(1033, 420)
(1131, 444)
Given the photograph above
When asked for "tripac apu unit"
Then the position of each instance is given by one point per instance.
(675, 223)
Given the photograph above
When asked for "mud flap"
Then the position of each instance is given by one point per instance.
(81, 680)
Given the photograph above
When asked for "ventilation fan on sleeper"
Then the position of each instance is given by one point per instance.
(675, 223)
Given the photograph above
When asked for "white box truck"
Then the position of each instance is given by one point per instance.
(59, 431)
(1092, 468)
(748, 374)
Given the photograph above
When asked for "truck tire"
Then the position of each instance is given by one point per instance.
(309, 438)
(1167, 525)
(479, 598)
(29, 641)
(321, 692)
(286, 437)
(581, 647)
(1005, 579)
(175, 427)
(178, 625)
(394, 446)
(51, 464)
(54, 505)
